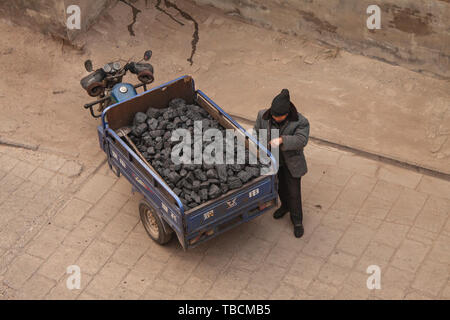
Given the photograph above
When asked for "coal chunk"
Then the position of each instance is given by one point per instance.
(204, 185)
(214, 191)
(177, 103)
(169, 115)
(253, 171)
(162, 124)
(165, 153)
(156, 133)
(237, 167)
(152, 123)
(151, 151)
(180, 183)
(213, 181)
(199, 110)
(139, 129)
(190, 167)
(176, 122)
(234, 183)
(194, 116)
(195, 197)
(173, 177)
(203, 193)
(166, 172)
(205, 165)
(192, 205)
(224, 188)
(158, 163)
(196, 185)
(139, 118)
(244, 176)
(212, 174)
(205, 124)
(183, 172)
(153, 113)
(159, 145)
(141, 148)
(222, 172)
(187, 185)
(190, 177)
(147, 140)
(200, 175)
(214, 124)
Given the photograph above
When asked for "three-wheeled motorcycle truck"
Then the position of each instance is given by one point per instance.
(161, 210)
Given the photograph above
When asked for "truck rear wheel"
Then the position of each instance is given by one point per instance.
(153, 224)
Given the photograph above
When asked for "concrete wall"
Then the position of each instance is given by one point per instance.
(49, 16)
(414, 33)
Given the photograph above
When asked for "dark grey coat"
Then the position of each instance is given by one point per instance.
(295, 134)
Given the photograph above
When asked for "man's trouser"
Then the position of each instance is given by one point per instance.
(289, 190)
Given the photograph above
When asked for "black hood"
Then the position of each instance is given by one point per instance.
(293, 114)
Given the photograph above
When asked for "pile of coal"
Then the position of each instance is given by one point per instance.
(194, 184)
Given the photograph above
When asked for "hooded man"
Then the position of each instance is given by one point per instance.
(293, 136)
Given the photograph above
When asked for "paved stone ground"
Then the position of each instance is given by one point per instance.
(357, 212)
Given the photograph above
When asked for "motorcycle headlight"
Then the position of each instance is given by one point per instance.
(107, 68)
(116, 66)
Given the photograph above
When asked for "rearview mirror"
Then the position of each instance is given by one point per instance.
(88, 65)
(147, 55)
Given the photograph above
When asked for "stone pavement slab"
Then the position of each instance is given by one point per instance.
(353, 219)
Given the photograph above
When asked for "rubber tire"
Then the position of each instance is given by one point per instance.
(146, 76)
(162, 237)
(95, 89)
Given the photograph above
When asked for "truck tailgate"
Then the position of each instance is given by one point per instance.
(224, 208)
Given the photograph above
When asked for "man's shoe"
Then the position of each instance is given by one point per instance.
(279, 213)
(298, 231)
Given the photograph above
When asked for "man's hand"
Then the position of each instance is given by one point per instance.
(276, 142)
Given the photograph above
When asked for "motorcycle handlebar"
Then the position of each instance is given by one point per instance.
(91, 104)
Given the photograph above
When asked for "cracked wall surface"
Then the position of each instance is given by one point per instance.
(414, 34)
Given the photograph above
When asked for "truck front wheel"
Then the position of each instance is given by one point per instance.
(153, 224)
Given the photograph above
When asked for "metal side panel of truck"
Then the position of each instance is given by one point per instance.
(192, 226)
